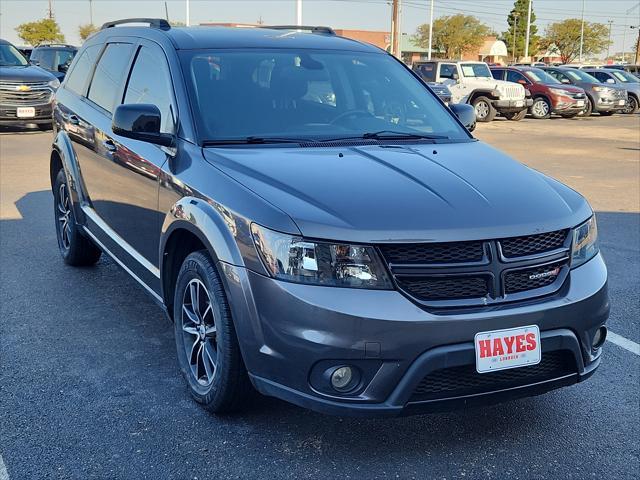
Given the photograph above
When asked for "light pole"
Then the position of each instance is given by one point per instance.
(91, 12)
(515, 34)
(299, 12)
(187, 14)
(610, 22)
(430, 28)
(526, 42)
(582, 31)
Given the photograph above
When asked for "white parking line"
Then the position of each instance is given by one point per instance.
(3, 470)
(625, 343)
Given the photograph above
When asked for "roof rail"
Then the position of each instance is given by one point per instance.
(306, 28)
(160, 23)
(55, 45)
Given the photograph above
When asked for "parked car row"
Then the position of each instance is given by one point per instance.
(543, 91)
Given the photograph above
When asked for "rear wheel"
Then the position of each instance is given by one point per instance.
(207, 345)
(484, 110)
(607, 114)
(76, 249)
(631, 106)
(541, 108)
(588, 108)
(515, 116)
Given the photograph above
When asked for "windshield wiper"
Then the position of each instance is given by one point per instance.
(390, 135)
(255, 141)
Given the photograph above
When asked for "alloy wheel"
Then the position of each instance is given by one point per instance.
(64, 216)
(540, 108)
(482, 110)
(199, 332)
(631, 105)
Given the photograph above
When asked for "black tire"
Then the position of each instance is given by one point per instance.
(541, 108)
(588, 108)
(211, 342)
(631, 106)
(570, 115)
(76, 249)
(516, 116)
(483, 106)
(607, 114)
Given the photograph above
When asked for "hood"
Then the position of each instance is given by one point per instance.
(465, 191)
(564, 86)
(28, 73)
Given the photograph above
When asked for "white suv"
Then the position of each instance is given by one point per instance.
(472, 82)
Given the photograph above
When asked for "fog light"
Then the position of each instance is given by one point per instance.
(599, 337)
(342, 379)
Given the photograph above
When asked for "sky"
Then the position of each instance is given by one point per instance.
(348, 14)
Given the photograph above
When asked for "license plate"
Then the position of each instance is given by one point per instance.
(509, 348)
(519, 103)
(580, 103)
(621, 102)
(25, 112)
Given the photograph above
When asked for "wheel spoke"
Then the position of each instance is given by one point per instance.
(191, 317)
(193, 356)
(191, 330)
(194, 293)
(208, 362)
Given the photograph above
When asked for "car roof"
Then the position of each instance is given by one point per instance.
(223, 37)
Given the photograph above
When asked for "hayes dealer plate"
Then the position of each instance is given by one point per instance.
(509, 348)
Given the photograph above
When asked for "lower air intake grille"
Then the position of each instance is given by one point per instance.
(433, 253)
(464, 380)
(531, 278)
(439, 288)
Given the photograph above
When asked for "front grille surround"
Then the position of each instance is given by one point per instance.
(39, 93)
(477, 274)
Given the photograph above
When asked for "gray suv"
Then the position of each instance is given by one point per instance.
(623, 79)
(602, 98)
(318, 225)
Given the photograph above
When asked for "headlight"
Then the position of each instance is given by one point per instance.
(585, 242)
(559, 91)
(296, 259)
(55, 83)
(601, 89)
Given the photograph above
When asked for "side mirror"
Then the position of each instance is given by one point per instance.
(140, 121)
(455, 77)
(466, 114)
(610, 80)
(34, 62)
(522, 81)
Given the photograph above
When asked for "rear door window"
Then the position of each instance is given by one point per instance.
(448, 70)
(150, 82)
(515, 77)
(76, 80)
(427, 71)
(109, 75)
(45, 58)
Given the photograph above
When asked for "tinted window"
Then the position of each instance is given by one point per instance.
(324, 94)
(150, 82)
(600, 76)
(497, 73)
(559, 75)
(537, 75)
(447, 70)
(109, 74)
(10, 56)
(44, 57)
(77, 79)
(515, 76)
(427, 71)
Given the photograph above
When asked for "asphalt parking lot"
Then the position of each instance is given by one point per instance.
(90, 388)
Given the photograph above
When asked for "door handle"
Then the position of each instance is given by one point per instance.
(74, 120)
(109, 145)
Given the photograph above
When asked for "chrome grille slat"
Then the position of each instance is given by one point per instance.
(40, 93)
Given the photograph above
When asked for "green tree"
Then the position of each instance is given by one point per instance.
(85, 31)
(453, 35)
(35, 33)
(519, 12)
(565, 35)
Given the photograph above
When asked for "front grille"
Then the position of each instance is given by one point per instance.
(442, 288)
(38, 94)
(465, 380)
(480, 273)
(533, 244)
(513, 92)
(433, 253)
(532, 278)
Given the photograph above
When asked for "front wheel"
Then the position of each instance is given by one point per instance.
(76, 249)
(631, 106)
(607, 114)
(541, 108)
(588, 108)
(515, 116)
(207, 345)
(484, 110)
(570, 115)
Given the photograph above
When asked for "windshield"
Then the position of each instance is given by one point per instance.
(315, 95)
(476, 70)
(540, 76)
(580, 76)
(11, 57)
(624, 77)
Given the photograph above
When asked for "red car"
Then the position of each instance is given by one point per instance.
(549, 95)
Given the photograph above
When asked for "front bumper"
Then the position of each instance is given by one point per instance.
(289, 331)
(9, 117)
(609, 103)
(512, 105)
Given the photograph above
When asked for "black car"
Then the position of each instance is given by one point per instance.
(318, 225)
(55, 58)
(26, 91)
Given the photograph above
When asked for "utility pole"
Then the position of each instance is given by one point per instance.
(50, 12)
(395, 29)
(515, 34)
(187, 23)
(610, 22)
(582, 32)
(430, 29)
(526, 42)
(166, 11)
(637, 45)
(91, 12)
(299, 12)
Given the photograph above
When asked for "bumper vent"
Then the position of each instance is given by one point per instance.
(464, 380)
